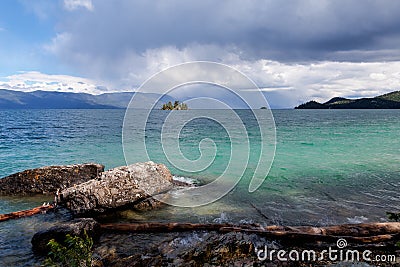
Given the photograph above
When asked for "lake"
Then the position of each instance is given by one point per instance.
(330, 166)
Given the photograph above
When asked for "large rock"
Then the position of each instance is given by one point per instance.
(47, 180)
(77, 227)
(118, 187)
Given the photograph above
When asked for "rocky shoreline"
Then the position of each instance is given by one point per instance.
(114, 247)
(89, 193)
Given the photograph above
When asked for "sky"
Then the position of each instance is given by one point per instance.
(295, 51)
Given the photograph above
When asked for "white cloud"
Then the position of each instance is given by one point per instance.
(317, 53)
(293, 82)
(288, 84)
(32, 81)
(321, 81)
(75, 4)
(60, 40)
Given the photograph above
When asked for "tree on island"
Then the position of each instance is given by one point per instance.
(175, 106)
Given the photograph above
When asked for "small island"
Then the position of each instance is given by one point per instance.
(175, 106)
(386, 101)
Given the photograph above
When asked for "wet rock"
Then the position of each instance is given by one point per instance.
(119, 187)
(47, 180)
(76, 227)
(196, 248)
(125, 249)
(200, 248)
(148, 204)
(227, 249)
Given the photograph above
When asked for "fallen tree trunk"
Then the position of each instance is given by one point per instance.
(358, 230)
(366, 233)
(362, 229)
(305, 236)
(162, 227)
(25, 213)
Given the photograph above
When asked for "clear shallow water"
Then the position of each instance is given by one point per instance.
(331, 166)
(16, 235)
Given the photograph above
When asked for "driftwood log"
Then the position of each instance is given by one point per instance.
(366, 233)
(25, 213)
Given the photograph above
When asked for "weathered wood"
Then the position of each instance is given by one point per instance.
(363, 229)
(162, 227)
(25, 213)
(312, 237)
(366, 233)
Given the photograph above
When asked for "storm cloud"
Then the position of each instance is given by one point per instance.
(277, 30)
(294, 49)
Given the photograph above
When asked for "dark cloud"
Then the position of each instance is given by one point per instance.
(280, 30)
(294, 50)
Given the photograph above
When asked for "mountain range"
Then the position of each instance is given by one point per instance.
(386, 101)
(10, 99)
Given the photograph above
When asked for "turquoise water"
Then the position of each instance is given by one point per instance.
(331, 166)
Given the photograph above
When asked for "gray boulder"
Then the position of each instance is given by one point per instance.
(118, 187)
(76, 227)
(47, 180)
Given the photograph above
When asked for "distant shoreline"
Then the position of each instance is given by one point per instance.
(386, 101)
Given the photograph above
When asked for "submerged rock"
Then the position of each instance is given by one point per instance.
(47, 180)
(76, 227)
(118, 187)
